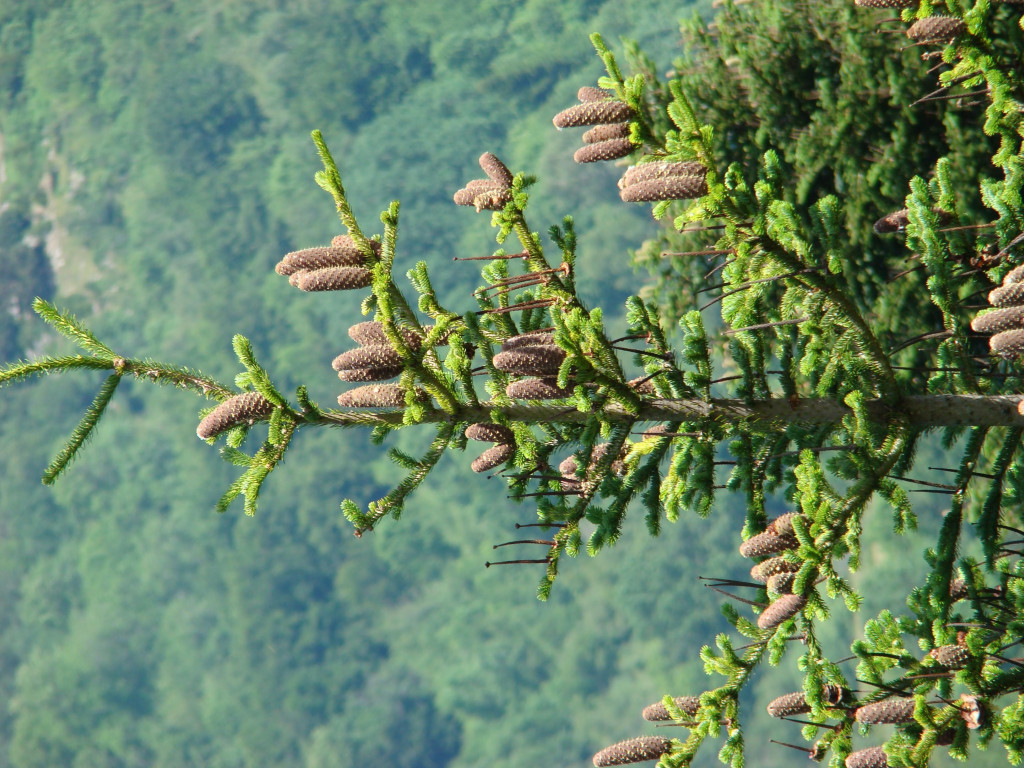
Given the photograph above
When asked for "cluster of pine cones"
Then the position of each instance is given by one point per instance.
(776, 572)
(609, 140)
(1006, 320)
(341, 266)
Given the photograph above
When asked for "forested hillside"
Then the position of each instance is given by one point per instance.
(155, 164)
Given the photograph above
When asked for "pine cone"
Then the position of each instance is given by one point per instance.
(492, 458)
(530, 361)
(633, 751)
(536, 389)
(605, 132)
(1008, 343)
(772, 567)
(1015, 275)
(765, 544)
(957, 590)
(530, 339)
(657, 713)
(995, 320)
(782, 608)
(885, 3)
(496, 170)
(889, 711)
(783, 524)
(594, 113)
(1007, 295)
(342, 252)
(371, 356)
(611, 149)
(789, 705)
(378, 373)
(371, 333)
(590, 93)
(479, 188)
(668, 188)
(780, 583)
(335, 279)
(492, 201)
(936, 29)
(951, 656)
(246, 408)
(660, 170)
(489, 433)
(873, 757)
(376, 396)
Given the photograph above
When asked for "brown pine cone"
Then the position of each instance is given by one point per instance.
(1008, 343)
(668, 188)
(370, 356)
(594, 113)
(530, 339)
(1007, 295)
(536, 389)
(375, 396)
(951, 656)
(1015, 275)
(246, 408)
(936, 29)
(772, 567)
(660, 170)
(996, 320)
(496, 170)
(590, 93)
(893, 222)
(783, 524)
(780, 583)
(335, 279)
(633, 751)
(781, 609)
(378, 373)
(606, 132)
(489, 433)
(657, 712)
(371, 333)
(789, 705)
(873, 757)
(888, 711)
(610, 149)
(530, 360)
(492, 458)
(765, 544)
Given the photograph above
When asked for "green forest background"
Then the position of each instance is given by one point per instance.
(155, 164)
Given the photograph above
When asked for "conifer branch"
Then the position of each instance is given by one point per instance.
(83, 431)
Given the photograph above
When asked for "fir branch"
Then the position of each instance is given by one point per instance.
(67, 325)
(83, 431)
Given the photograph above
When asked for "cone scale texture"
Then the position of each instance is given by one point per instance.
(633, 751)
(489, 433)
(657, 712)
(772, 567)
(530, 361)
(492, 458)
(370, 356)
(660, 170)
(536, 389)
(668, 188)
(606, 132)
(887, 712)
(245, 408)
(594, 113)
(789, 705)
(335, 279)
(374, 396)
(951, 656)
(873, 757)
(936, 29)
(610, 149)
(781, 609)
(765, 544)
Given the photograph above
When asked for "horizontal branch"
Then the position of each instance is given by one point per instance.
(920, 411)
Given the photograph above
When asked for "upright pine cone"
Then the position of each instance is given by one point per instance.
(605, 132)
(246, 408)
(492, 458)
(334, 279)
(496, 170)
(530, 339)
(951, 656)
(873, 757)
(660, 170)
(765, 544)
(594, 113)
(489, 433)
(657, 712)
(936, 29)
(536, 389)
(530, 361)
(370, 356)
(783, 524)
(772, 567)
(782, 608)
(376, 396)
(609, 149)
(633, 751)
(789, 704)
(886, 712)
(668, 188)
(342, 252)
(371, 332)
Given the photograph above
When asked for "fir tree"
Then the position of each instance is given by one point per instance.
(818, 182)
